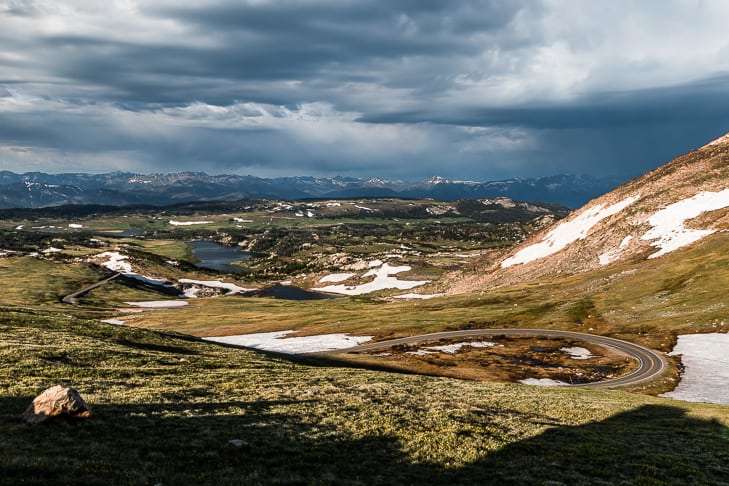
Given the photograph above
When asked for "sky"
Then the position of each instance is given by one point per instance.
(400, 89)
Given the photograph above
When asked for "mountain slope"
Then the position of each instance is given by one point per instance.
(653, 216)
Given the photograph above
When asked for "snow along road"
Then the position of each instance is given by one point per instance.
(650, 363)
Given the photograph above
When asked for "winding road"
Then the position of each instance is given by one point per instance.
(651, 363)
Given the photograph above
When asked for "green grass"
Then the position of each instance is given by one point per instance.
(165, 407)
(37, 281)
(170, 249)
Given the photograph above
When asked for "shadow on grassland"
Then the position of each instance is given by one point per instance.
(149, 444)
(650, 445)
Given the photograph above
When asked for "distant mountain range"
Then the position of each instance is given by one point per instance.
(38, 189)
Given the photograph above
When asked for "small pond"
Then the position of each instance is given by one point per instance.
(214, 256)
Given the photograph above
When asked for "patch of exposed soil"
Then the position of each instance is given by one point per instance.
(510, 359)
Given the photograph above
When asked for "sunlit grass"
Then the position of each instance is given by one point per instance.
(38, 281)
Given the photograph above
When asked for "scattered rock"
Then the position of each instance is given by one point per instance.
(56, 401)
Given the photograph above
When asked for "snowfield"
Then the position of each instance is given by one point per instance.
(116, 322)
(576, 352)
(278, 342)
(187, 223)
(668, 224)
(417, 296)
(116, 261)
(611, 256)
(159, 304)
(542, 382)
(451, 348)
(667, 233)
(706, 374)
(383, 280)
(567, 232)
(193, 291)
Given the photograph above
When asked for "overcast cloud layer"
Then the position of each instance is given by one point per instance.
(468, 89)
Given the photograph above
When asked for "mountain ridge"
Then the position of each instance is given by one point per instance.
(39, 189)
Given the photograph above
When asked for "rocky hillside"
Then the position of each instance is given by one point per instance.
(654, 216)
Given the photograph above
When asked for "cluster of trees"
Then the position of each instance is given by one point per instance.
(27, 241)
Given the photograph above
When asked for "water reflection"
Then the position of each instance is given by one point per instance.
(214, 256)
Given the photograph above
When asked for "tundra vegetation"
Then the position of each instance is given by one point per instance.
(165, 404)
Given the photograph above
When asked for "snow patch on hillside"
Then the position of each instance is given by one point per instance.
(542, 382)
(187, 223)
(668, 224)
(576, 352)
(159, 304)
(278, 342)
(450, 348)
(417, 296)
(567, 232)
(706, 374)
(612, 255)
(115, 261)
(217, 284)
(384, 279)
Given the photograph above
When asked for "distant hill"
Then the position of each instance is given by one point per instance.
(38, 189)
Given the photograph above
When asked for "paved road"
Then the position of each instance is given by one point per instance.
(73, 298)
(651, 363)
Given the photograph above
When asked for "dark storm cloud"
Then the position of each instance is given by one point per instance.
(706, 99)
(322, 43)
(408, 88)
(608, 133)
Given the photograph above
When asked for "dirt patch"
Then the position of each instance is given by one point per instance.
(510, 359)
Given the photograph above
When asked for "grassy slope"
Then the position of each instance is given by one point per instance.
(36, 281)
(165, 407)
